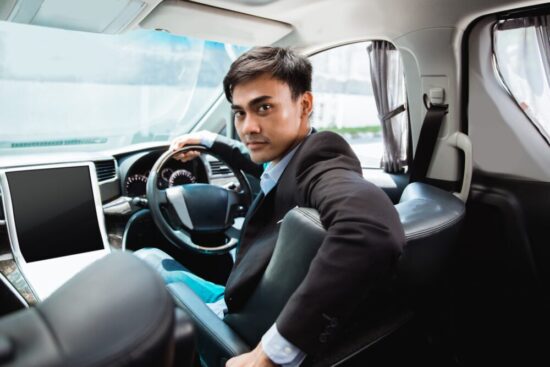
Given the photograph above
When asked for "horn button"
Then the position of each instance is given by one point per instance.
(202, 207)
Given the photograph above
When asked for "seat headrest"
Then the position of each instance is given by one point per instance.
(115, 312)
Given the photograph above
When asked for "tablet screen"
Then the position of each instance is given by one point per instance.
(54, 212)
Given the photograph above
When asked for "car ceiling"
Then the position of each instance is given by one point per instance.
(322, 21)
(313, 23)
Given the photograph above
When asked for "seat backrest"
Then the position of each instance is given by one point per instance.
(299, 239)
(430, 217)
(116, 312)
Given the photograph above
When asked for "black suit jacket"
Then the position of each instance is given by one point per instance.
(364, 237)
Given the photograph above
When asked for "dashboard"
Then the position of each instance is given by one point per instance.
(121, 178)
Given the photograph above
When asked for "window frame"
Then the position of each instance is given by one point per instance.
(409, 152)
(498, 74)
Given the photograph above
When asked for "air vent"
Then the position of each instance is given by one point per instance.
(105, 170)
(219, 168)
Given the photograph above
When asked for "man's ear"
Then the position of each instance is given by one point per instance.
(307, 104)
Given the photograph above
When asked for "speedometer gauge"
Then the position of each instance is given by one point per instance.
(166, 173)
(135, 185)
(181, 177)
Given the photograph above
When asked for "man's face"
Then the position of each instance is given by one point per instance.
(267, 119)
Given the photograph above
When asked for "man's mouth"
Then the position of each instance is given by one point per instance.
(253, 145)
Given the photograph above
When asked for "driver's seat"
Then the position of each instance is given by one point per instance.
(431, 218)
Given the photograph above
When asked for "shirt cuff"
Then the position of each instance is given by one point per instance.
(280, 350)
(208, 138)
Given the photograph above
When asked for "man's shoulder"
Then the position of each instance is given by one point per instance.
(326, 145)
(326, 140)
(326, 149)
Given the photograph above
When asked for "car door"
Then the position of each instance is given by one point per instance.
(502, 273)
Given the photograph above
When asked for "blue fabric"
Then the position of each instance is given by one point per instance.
(273, 171)
(172, 272)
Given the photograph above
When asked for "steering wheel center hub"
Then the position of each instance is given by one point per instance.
(201, 207)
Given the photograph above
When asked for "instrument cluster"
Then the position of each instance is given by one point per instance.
(174, 173)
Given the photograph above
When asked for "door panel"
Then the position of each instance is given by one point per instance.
(502, 273)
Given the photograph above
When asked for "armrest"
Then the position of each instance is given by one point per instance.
(217, 342)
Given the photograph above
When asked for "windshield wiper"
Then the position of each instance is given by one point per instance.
(51, 143)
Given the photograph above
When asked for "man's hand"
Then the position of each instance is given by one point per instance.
(187, 139)
(255, 358)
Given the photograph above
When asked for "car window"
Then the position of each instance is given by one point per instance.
(344, 101)
(522, 54)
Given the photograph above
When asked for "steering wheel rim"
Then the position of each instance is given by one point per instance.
(180, 199)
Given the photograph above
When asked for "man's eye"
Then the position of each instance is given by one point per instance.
(264, 108)
(238, 114)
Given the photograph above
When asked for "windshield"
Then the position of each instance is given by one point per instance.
(78, 91)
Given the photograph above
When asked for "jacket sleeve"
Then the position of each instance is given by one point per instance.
(363, 242)
(236, 155)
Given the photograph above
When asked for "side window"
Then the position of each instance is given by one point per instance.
(345, 102)
(522, 54)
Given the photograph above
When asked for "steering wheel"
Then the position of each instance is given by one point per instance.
(197, 209)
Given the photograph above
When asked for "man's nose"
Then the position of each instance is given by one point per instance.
(250, 125)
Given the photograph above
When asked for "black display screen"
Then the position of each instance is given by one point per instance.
(54, 212)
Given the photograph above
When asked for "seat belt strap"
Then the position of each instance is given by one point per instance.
(427, 140)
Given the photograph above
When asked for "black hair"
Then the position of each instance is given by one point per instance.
(282, 64)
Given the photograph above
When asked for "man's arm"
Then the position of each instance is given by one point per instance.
(363, 241)
(235, 154)
(229, 150)
(273, 350)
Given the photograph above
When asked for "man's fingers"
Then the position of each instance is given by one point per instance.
(233, 362)
(184, 140)
(187, 156)
(178, 144)
(192, 154)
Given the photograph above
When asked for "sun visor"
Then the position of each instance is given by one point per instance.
(99, 16)
(206, 22)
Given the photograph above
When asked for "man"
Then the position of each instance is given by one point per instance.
(270, 92)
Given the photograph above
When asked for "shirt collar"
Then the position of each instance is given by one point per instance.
(274, 171)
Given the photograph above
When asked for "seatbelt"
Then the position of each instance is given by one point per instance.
(426, 142)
